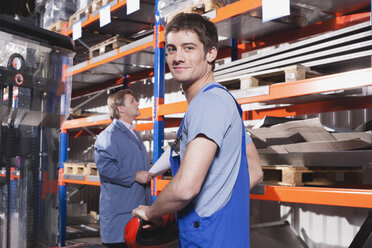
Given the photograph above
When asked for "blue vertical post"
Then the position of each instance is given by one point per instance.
(234, 49)
(12, 196)
(159, 70)
(63, 141)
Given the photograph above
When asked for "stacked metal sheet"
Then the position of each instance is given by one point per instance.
(326, 51)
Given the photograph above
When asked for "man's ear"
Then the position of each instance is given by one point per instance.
(211, 54)
(120, 109)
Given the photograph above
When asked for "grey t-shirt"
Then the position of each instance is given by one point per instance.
(214, 114)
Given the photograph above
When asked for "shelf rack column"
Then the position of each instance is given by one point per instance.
(63, 139)
(159, 71)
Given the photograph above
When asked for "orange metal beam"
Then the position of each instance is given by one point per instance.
(235, 8)
(159, 184)
(64, 180)
(340, 81)
(361, 198)
(96, 18)
(86, 121)
(173, 108)
(320, 196)
(145, 113)
(173, 122)
(144, 126)
(83, 122)
(167, 124)
(334, 105)
(117, 56)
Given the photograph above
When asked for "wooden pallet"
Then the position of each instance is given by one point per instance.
(106, 46)
(320, 176)
(204, 6)
(74, 168)
(78, 15)
(91, 170)
(97, 4)
(199, 7)
(57, 26)
(280, 75)
(81, 169)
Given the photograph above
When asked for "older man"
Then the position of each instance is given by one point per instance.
(123, 165)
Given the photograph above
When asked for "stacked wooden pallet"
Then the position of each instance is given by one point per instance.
(168, 9)
(81, 169)
(80, 14)
(303, 152)
(315, 176)
(97, 4)
(89, 9)
(57, 26)
(322, 51)
(106, 46)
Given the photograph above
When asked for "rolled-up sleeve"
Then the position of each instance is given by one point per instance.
(208, 117)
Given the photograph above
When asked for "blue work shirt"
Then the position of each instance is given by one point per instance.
(214, 114)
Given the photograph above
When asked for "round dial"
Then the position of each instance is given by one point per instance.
(17, 63)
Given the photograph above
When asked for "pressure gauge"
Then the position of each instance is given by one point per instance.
(16, 62)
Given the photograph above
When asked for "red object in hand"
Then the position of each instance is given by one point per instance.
(137, 237)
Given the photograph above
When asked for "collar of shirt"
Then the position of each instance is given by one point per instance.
(131, 127)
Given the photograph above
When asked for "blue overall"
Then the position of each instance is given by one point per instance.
(229, 226)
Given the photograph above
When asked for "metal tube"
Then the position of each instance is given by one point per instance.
(159, 72)
(62, 188)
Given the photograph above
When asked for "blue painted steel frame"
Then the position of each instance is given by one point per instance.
(63, 141)
(159, 71)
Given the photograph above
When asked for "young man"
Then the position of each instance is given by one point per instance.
(210, 188)
(122, 163)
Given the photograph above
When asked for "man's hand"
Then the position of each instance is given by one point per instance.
(143, 177)
(143, 212)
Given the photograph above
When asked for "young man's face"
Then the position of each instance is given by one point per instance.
(130, 107)
(185, 57)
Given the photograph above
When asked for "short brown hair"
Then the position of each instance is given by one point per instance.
(205, 29)
(115, 100)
